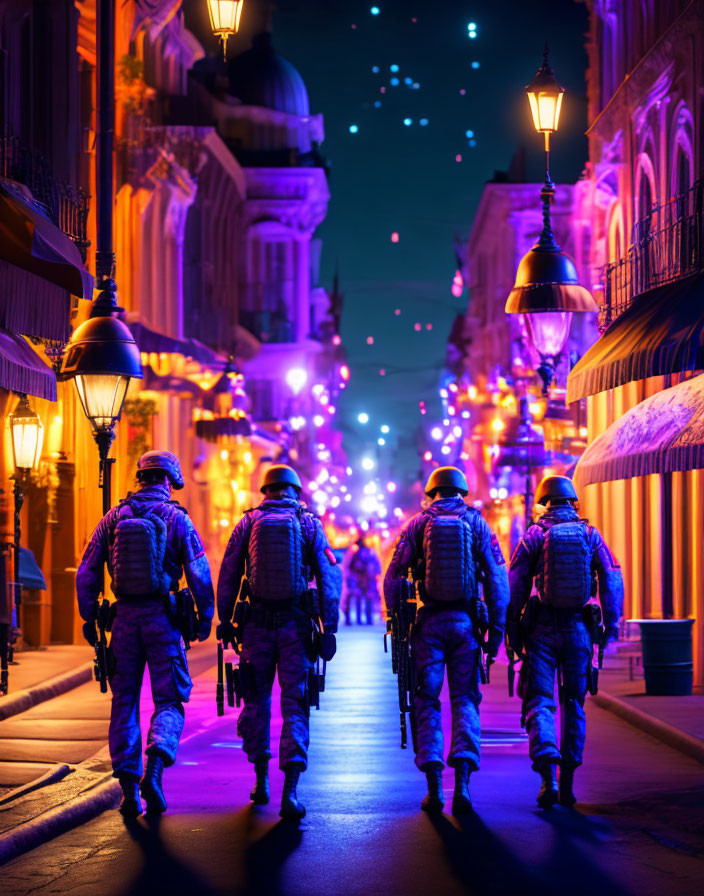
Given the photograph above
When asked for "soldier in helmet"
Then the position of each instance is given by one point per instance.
(568, 560)
(148, 542)
(281, 546)
(449, 549)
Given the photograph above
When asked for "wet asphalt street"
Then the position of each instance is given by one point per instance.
(638, 829)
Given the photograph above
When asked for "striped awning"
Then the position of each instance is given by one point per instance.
(22, 370)
(661, 333)
(663, 434)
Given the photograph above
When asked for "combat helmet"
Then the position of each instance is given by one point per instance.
(555, 487)
(281, 474)
(447, 477)
(162, 460)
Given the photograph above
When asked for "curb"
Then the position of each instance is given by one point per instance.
(50, 824)
(21, 701)
(656, 728)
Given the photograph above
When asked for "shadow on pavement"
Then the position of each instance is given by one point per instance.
(483, 863)
(480, 861)
(264, 856)
(162, 872)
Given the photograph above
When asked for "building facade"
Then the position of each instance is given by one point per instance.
(645, 209)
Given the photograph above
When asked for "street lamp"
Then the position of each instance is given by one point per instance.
(225, 18)
(102, 355)
(27, 439)
(547, 285)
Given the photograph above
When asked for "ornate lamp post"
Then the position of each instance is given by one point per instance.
(27, 440)
(547, 289)
(102, 356)
(225, 18)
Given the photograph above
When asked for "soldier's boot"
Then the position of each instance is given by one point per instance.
(434, 799)
(131, 805)
(461, 802)
(548, 795)
(260, 792)
(151, 784)
(566, 794)
(291, 808)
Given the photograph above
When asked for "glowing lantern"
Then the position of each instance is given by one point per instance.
(545, 98)
(225, 18)
(27, 436)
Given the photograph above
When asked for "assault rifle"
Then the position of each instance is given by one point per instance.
(480, 620)
(593, 621)
(101, 663)
(399, 629)
(232, 678)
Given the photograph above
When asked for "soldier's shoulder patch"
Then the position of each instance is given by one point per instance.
(496, 550)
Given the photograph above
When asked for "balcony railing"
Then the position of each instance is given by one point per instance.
(666, 245)
(65, 205)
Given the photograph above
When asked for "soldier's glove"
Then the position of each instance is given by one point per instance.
(90, 632)
(204, 628)
(225, 632)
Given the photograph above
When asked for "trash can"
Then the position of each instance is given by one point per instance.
(667, 656)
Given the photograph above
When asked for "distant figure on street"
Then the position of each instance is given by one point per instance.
(281, 546)
(449, 549)
(148, 542)
(362, 581)
(555, 631)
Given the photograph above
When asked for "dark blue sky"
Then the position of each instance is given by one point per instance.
(389, 177)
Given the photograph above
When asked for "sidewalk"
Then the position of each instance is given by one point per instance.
(676, 721)
(39, 675)
(53, 752)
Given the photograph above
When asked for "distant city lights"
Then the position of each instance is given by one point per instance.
(427, 455)
(393, 68)
(363, 417)
(408, 122)
(395, 237)
(385, 428)
(368, 463)
(424, 122)
(345, 372)
(436, 433)
(370, 340)
(375, 10)
(381, 441)
(354, 128)
(296, 378)
(475, 64)
(391, 487)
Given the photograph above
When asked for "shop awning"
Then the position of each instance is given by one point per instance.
(663, 434)
(30, 575)
(662, 332)
(33, 306)
(22, 370)
(29, 240)
(153, 342)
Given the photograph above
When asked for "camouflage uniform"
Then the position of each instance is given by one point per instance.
(444, 636)
(559, 638)
(278, 636)
(144, 634)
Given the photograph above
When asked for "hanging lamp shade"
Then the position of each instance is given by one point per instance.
(546, 281)
(102, 357)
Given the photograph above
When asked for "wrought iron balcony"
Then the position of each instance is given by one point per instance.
(65, 205)
(666, 245)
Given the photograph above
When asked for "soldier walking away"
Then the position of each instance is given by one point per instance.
(147, 542)
(281, 547)
(449, 550)
(555, 631)
(363, 571)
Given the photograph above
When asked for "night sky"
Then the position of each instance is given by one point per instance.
(389, 177)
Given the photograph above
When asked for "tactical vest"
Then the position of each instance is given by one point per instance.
(450, 573)
(275, 559)
(564, 578)
(137, 552)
